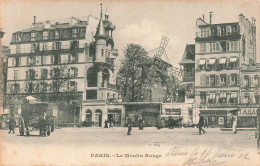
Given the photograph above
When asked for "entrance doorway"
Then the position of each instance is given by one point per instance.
(149, 118)
(98, 118)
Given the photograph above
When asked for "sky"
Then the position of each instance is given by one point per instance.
(140, 22)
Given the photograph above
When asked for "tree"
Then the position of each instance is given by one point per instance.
(132, 72)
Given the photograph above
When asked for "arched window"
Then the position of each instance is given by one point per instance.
(88, 116)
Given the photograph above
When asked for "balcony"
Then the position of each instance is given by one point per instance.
(110, 60)
(217, 36)
(63, 48)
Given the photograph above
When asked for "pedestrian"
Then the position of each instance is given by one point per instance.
(106, 126)
(234, 125)
(205, 123)
(12, 124)
(140, 124)
(171, 123)
(110, 122)
(201, 124)
(129, 125)
(159, 123)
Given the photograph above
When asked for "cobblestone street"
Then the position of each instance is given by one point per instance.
(92, 145)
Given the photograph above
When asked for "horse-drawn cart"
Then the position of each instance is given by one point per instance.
(36, 116)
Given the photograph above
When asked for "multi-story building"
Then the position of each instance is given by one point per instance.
(69, 63)
(222, 51)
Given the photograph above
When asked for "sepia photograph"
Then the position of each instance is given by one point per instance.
(120, 82)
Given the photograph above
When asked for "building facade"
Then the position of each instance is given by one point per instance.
(69, 63)
(222, 52)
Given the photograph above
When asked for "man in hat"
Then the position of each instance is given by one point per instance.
(201, 124)
(12, 124)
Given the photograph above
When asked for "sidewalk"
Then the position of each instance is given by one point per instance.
(239, 129)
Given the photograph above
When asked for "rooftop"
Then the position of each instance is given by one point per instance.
(189, 54)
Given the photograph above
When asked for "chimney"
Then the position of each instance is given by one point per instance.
(203, 16)
(34, 19)
(210, 17)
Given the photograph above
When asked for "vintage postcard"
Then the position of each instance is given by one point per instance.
(129, 82)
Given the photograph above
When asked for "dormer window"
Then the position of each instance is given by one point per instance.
(74, 32)
(57, 34)
(33, 36)
(45, 35)
(18, 37)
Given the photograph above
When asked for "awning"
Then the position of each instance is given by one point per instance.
(223, 95)
(222, 60)
(202, 61)
(212, 61)
(212, 95)
(234, 59)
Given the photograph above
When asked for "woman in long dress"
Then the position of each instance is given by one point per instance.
(234, 126)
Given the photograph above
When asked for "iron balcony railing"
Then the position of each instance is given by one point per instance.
(49, 48)
(216, 35)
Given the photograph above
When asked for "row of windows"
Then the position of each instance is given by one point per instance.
(49, 34)
(223, 46)
(41, 87)
(215, 63)
(47, 46)
(219, 80)
(218, 31)
(224, 98)
(42, 60)
(32, 74)
(229, 80)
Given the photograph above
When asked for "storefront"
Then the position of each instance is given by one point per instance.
(148, 111)
(247, 117)
(215, 118)
(114, 115)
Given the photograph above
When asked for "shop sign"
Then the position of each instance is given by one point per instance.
(247, 112)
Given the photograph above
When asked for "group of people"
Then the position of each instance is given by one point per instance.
(204, 122)
(109, 122)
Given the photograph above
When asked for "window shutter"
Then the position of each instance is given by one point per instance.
(76, 86)
(207, 81)
(53, 46)
(228, 80)
(242, 80)
(27, 75)
(201, 80)
(68, 72)
(52, 58)
(76, 58)
(20, 61)
(228, 63)
(27, 61)
(51, 73)
(59, 59)
(207, 63)
(69, 58)
(76, 72)
(238, 79)
(250, 82)
(217, 80)
(217, 63)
